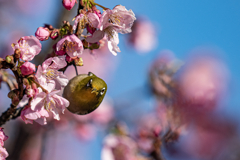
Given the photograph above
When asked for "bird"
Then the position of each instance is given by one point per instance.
(85, 93)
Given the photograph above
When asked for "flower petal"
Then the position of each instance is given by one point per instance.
(93, 20)
(97, 35)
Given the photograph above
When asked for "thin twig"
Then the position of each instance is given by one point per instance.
(74, 64)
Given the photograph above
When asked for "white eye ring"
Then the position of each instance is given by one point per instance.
(102, 91)
(89, 83)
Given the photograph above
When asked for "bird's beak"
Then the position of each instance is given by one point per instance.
(94, 90)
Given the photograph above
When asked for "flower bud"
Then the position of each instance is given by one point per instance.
(13, 93)
(78, 61)
(68, 4)
(17, 53)
(9, 59)
(54, 34)
(42, 33)
(25, 82)
(27, 68)
(30, 92)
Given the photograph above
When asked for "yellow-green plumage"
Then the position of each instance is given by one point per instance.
(85, 93)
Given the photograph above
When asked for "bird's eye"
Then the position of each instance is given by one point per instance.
(89, 83)
(90, 74)
(102, 91)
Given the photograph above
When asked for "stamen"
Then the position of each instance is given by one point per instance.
(51, 74)
(71, 46)
(48, 106)
(116, 19)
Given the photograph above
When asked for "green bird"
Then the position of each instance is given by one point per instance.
(85, 93)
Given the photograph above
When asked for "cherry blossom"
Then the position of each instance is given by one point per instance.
(29, 47)
(112, 22)
(28, 115)
(89, 18)
(119, 147)
(203, 81)
(48, 72)
(3, 137)
(3, 151)
(49, 101)
(144, 36)
(71, 45)
(109, 31)
(120, 16)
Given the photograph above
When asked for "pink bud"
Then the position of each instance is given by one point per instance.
(68, 4)
(54, 34)
(27, 68)
(42, 33)
(31, 92)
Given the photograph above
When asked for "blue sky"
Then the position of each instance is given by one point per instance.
(183, 26)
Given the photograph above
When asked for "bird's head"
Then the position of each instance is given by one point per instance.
(96, 85)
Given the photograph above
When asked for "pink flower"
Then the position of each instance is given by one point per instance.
(91, 19)
(86, 131)
(120, 16)
(110, 32)
(27, 68)
(112, 22)
(203, 82)
(3, 153)
(118, 147)
(104, 114)
(42, 34)
(29, 46)
(48, 72)
(28, 115)
(3, 137)
(68, 4)
(143, 36)
(72, 45)
(49, 101)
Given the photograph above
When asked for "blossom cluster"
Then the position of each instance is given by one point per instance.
(37, 94)
(95, 25)
(90, 27)
(41, 88)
